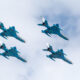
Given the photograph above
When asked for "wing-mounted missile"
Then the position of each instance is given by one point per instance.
(2, 26)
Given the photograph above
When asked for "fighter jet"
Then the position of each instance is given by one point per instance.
(56, 54)
(13, 52)
(51, 29)
(11, 31)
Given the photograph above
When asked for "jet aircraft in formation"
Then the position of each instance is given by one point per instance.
(13, 52)
(11, 31)
(55, 29)
(56, 54)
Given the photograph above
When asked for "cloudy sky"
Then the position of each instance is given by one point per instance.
(25, 15)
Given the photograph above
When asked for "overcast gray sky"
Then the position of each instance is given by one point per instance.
(25, 15)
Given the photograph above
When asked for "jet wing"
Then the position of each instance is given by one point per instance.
(52, 59)
(4, 54)
(3, 34)
(50, 56)
(45, 32)
(48, 34)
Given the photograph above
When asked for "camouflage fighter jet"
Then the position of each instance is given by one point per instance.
(13, 52)
(56, 54)
(51, 29)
